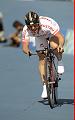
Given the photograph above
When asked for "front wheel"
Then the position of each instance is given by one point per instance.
(51, 95)
(52, 88)
(56, 92)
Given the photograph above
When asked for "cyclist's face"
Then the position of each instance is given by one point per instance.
(33, 27)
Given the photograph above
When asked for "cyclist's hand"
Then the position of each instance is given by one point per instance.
(60, 49)
(29, 53)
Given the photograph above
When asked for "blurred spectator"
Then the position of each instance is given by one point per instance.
(16, 36)
(2, 38)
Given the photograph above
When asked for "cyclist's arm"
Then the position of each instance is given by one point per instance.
(61, 38)
(25, 40)
(25, 45)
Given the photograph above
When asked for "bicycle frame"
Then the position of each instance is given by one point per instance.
(52, 77)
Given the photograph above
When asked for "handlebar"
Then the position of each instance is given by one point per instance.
(30, 54)
(45, 51)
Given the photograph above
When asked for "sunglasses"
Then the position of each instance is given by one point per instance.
(33, 26)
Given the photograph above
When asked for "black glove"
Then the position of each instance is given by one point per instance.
(29, 53)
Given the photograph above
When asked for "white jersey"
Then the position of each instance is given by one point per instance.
(49, 27)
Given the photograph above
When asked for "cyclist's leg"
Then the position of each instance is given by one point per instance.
(42, 71)
(54, 42)
(42, 66)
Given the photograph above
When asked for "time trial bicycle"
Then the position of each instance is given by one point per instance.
(52, 76)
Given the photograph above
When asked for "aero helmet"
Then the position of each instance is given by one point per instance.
(31, 18)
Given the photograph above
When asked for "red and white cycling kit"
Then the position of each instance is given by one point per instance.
(49, 27)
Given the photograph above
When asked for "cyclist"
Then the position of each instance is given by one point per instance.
(42, 28)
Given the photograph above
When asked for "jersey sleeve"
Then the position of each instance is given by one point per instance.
(55, 27)
(24, 35)
(49, 24)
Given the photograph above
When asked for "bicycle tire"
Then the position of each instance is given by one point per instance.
(56, 92)
(51, 87)
(50, 94)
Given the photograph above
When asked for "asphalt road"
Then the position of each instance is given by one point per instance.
(20, 89)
